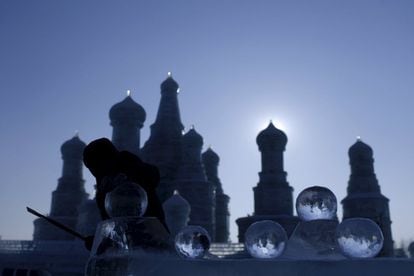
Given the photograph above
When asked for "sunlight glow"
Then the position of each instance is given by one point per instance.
(280, 124)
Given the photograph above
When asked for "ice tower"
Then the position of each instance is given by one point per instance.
(68, 196)
(211, 161)
(364, 198)
(272, 195)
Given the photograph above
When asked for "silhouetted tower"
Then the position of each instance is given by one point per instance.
(68, 196)
(177, 213)
(163, 148)
(211, 161)
(272, 195)
(364, 198)
(192, 183)
(127, 118)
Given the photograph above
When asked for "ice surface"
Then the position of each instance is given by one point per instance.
(265, 239)
(316, 203)
(359, 238)
(313, 240)
(125, 234)
(127, 199)
(192, 242)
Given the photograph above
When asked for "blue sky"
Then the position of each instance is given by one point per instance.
(324, 71)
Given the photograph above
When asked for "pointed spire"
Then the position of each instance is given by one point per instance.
(128, 93)
(169, 84)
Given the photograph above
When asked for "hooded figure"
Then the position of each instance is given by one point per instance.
(105, 161)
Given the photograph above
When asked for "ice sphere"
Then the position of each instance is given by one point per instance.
(127, 199)
(359, 238)
(316, 203)
(265, 239)
(192, 242)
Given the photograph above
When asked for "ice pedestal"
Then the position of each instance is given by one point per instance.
(313, 240)
(117, 238)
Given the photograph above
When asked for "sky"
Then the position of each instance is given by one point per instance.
(325, 71)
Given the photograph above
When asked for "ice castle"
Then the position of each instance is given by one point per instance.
(196, 179)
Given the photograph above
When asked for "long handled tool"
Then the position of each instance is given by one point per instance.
(87, 239)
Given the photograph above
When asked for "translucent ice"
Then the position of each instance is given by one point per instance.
(192, 242)
(127, 199)
(359, 238)
(316, 203)
(265, 239)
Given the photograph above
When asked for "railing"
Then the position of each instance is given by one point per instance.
(225, 249)
(57, 247)
(77, 247)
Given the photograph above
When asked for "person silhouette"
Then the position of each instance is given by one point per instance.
(105, 162)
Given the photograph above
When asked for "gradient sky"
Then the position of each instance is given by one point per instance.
(324, 71)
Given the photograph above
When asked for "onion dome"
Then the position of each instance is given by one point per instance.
(73, 148)
(271, 136)
(210, 157)
(169, 84)
(127, 110)
(176, 202)
(192, 138)
(360, 149)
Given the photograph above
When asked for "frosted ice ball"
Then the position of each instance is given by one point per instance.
(265, 239)
(127, 199)
(359, 238)
(316, 203)
(192, 242)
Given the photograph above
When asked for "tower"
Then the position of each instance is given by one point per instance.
(272, 195)
(192, 183)
(68, 196)
(211, 161)
(127, 118)
(163, 148)
(364, 198)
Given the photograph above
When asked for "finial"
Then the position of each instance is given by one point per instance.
(178, 90)
(209, 147)
(77, 133)
(192, 127)
(176, 192)
(169, 74)
(128, 93)
(358, 138)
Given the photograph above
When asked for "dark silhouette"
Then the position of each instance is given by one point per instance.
(69, 194)
(273, 196)
(104, 160)
(364, 198)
